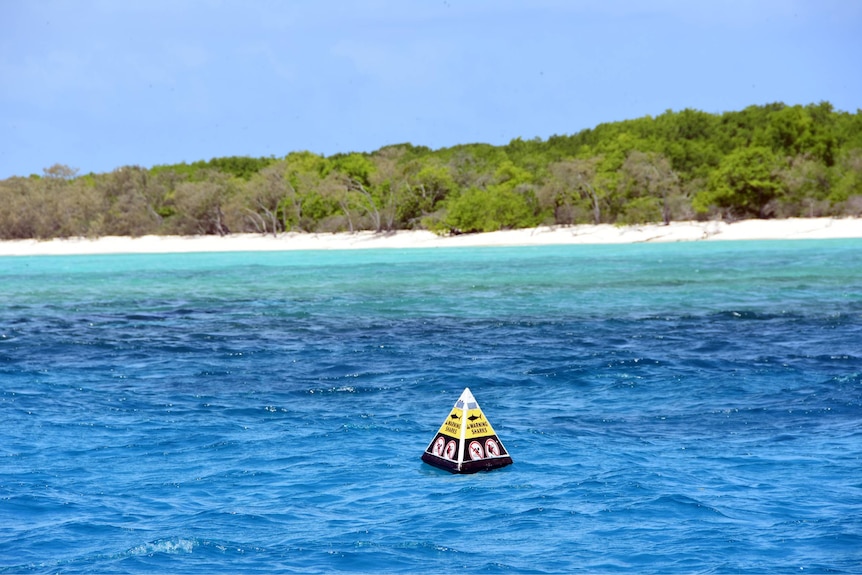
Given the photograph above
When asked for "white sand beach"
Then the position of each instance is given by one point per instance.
(795, 228)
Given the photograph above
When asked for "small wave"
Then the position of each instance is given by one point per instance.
(108, 562)
(167, 546)
(682, 505)
(144, 317)
(744, 314)
(337, 389)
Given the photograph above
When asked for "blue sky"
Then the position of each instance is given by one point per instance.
(99, 84)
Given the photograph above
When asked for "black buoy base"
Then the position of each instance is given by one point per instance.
(467, 466)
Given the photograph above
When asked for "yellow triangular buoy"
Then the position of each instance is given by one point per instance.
(466, 442)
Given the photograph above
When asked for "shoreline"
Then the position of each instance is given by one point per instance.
(786, 229)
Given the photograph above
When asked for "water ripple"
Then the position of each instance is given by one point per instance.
(669, 409)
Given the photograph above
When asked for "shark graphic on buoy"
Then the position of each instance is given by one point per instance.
(466, 442)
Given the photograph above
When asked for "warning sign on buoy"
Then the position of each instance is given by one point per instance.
(466, 442)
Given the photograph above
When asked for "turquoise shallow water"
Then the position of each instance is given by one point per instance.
(670, 408)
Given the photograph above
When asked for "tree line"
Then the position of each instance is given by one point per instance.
(770, 161)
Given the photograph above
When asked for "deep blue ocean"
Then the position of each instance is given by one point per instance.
(670, 408)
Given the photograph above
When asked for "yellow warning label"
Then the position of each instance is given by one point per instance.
(477, 425)
(452, 425)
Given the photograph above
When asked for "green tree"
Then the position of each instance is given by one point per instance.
(848, 177)
(570, 192)
(263, 203)
(789, 131)
(688, 139)
(307, 173)
(129, 197)
(58, 204)
(355, 167)
(485, 210)
(242, 167)
(428, 184)
(743, 185)
(607, 181)
(200, 206)
(364, 204)
(19, 209)
(806, 183)
(649, 184)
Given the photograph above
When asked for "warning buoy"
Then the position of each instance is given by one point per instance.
(466, 442)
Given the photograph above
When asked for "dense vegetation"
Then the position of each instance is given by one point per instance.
(761, 162)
